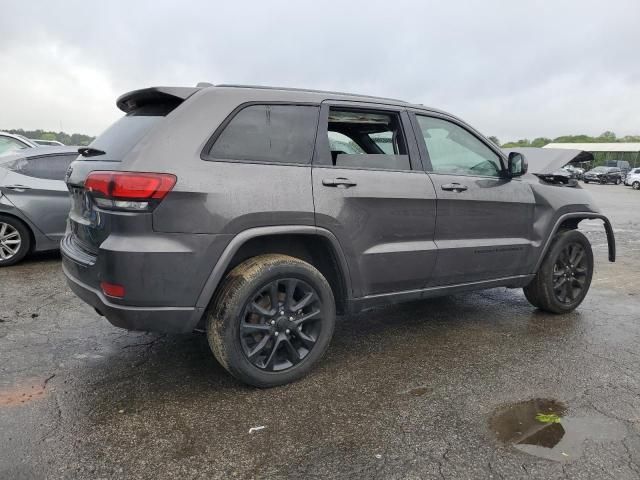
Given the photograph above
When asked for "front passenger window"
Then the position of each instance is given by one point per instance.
(454, 151)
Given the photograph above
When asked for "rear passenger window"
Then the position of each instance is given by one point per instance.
(367, 139)
(269, 133)
(50, 167)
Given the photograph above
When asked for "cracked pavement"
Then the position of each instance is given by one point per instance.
(404, 392)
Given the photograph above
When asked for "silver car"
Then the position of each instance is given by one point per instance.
(34, 201)
(632, 176)
(10, 143)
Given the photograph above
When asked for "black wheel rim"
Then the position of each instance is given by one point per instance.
(570, 273)
(281, 324)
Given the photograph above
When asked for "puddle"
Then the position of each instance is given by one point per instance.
(543, 427)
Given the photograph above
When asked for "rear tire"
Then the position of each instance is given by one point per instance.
(563, 280)
(618, 181)
(635, 185)
(15, 240)
(271, 320)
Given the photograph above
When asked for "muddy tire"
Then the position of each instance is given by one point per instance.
(15, 240)
(564, 278)
(271, 320)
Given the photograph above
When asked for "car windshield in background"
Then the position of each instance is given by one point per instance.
(9, 145)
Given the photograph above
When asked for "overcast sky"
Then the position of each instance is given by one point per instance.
(512, 70)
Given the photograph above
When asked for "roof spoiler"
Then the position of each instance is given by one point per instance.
(155, 95)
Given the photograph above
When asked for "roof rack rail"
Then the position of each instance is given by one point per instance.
(265, 87)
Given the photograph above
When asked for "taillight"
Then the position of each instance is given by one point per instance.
(112, 289)
(137, 191)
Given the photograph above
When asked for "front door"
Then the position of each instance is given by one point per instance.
(371, 192)
(484, 222)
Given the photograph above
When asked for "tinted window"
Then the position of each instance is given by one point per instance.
(367, 139)
(8, 144)
(50, 167)
(120, 138)
(269, 133)
(455, 151)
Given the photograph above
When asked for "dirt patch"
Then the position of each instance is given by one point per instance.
(25, 393)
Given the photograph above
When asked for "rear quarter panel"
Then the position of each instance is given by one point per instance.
(219, 197)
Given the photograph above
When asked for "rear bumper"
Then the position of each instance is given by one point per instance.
(156, 319)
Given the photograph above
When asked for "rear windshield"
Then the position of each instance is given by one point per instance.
(120, 138)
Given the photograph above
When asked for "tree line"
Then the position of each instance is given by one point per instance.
(606, 137)
(63, 137)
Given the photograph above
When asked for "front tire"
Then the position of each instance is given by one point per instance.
(563, 280)
(15, 240)
(618, 181)
(271, 320)
(635, 185)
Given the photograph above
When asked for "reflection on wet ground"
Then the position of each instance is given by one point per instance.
(541, 427)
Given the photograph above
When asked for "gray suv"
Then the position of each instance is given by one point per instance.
(260, 213)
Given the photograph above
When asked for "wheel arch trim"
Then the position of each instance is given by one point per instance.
(611, 241)
(241, 238)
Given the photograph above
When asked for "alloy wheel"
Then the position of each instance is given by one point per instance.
(10, 241)
(570, 273)
(281, 324)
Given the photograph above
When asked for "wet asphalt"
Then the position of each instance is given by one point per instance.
(404, 392)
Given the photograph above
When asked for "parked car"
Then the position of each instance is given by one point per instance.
(632, 173)
(604, 175)
(34, 201)
(231, 209)
(11, 143)
(575, 172)
(633, 180)
(49, 143)
(623, 165)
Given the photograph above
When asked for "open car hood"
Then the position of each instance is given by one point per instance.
(547, 161)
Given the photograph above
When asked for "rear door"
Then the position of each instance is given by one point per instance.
(371, 192)
(485, 221)
(35, 185)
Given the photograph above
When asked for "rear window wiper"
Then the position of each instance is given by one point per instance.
(90, 152)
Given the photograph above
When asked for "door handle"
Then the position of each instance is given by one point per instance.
(17, 188)
(454, 187)
(338, 182)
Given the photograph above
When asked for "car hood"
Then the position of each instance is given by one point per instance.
(547, 161)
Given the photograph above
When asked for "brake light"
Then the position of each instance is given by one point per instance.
(112, 289)
(129, 190)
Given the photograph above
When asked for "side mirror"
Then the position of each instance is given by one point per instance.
(517, 165)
